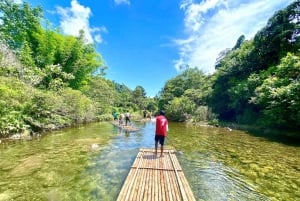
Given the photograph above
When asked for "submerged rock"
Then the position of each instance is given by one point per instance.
(95, 147)
(27, 166)
(5, 196)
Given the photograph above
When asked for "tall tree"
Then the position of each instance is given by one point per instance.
(279, 93)
(124, 95)
(19, 23)
(102, 93)
(139, 97)
(79, 59)
(280, 35)
(239, 42)
(22, 30)
(232, 90)
(186, 83)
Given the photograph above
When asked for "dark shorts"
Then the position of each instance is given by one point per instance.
(160, 139)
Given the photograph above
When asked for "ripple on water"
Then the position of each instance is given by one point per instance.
(213, 181)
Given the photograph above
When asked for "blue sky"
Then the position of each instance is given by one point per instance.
(143, 42)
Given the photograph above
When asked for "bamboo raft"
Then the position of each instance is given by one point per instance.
(124, 127)
(156, 179)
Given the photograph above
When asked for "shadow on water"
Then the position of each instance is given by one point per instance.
(287, 137)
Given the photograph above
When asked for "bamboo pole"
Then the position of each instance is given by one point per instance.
(130, 181)
(181, 188)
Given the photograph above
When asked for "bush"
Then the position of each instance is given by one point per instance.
(23, 107)
(105, 117)
(77, 106)
(180, 109)
(13, 100)
(204, 114)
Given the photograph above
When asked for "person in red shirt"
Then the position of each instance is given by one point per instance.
(161, 132)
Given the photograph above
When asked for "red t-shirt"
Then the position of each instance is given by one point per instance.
(161, 125)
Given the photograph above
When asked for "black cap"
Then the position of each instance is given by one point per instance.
(162, 112)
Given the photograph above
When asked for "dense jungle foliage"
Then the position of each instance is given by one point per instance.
(256, 82)
(50, 80)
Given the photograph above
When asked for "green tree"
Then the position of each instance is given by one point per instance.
(103, 94)
(38, 47)
(138, 97)
(190, 79)
(79, 59)
(19, 23)
(239, 42)
(180, 109)
(184, 93)
(46, 47)
(279, 94)
(124, 96)
(233, 84)
(151, 104)
(221, 56)
(280, 35)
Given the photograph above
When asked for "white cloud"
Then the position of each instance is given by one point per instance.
(17, 1)
(119, 2)
(98, 38)
(76, 18)
(214, 25)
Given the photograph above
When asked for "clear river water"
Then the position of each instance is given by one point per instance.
(91, 162)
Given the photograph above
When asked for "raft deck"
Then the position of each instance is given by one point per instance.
(124, 127)
(156, 179)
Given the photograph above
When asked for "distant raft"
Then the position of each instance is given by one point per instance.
(124, 127)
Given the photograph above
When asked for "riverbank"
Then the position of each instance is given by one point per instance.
(28, 134)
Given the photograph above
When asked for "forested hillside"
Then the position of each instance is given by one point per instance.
(256, 81)
(49, 80)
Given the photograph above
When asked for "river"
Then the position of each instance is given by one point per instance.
(91, 162)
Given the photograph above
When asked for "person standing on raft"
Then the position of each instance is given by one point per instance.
(127, 118)
(161, 130)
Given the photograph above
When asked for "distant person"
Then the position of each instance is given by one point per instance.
(121, 117)
(161, 130)
(127, 117)
(145, 113)
(115, 115)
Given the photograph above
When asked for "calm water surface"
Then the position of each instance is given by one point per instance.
(91, 162)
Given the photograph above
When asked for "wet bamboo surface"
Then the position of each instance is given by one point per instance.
(129, 127)
(154, 178)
